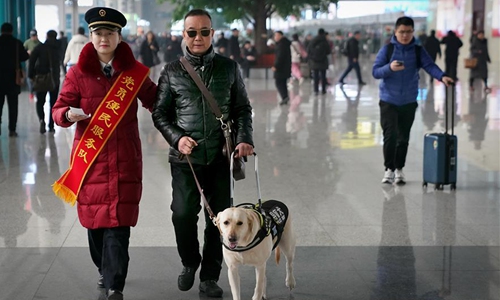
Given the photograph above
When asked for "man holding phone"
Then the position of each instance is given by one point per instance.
(398, 94)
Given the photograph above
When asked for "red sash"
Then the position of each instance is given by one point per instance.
(102, 125)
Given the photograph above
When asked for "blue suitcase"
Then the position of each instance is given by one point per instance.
(440, 152)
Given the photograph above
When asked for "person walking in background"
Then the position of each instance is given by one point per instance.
(298, 55)
(105, 178)
(249, 59)
(453, 44)
(352, 50)
(12, 53)
(183, 117)
(479, 50)
(46, 59)
(233, 46)
(149, 53)
(63, 44)
(317, 55)
(282, 67)
(222, 44)
(173, 50)
(398, 95)
(75, 47)
(30, 45)
(433, 47)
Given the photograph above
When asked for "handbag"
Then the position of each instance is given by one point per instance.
(470, 63)
(44, 82)
(227, 130)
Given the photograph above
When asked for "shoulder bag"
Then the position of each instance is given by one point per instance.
(44, 82)
(228, 131)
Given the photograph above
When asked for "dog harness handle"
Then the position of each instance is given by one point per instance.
(231, 179)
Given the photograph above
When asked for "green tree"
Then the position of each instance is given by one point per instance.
(254, 11)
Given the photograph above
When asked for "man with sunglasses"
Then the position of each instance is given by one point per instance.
(187, 122)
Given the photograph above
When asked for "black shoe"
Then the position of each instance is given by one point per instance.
(284, 101)
(362, 83)
(115, 295)
(52, 130)
(42, 127)
(12, 134)
(210, 288)
(100, 282)
(186, 279)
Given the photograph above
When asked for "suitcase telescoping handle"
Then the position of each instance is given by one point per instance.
(450, 99)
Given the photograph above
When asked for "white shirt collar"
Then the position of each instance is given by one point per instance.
(109, 63)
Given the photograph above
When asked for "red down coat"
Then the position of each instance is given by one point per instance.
(112, 188)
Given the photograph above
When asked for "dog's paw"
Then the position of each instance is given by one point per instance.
(290, 282)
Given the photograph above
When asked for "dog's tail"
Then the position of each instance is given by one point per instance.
(277, 255)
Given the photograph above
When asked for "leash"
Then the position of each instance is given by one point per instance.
(205, 202)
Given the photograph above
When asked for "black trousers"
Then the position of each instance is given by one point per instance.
(451, 67)
(319, 75)
(109, 252)
(396, 122)
(281, 86)
(40, 102)
(12, 102)
(186, 205)
(352, 65)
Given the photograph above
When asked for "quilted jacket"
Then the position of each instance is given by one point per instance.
(112, 188)
(181, 110)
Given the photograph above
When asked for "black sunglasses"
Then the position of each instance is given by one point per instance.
(203, 32)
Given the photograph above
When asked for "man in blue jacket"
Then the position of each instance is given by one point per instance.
(398, 94)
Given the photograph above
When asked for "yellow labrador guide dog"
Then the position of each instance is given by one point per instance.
(249, 233)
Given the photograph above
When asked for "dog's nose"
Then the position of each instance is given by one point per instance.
(232, 238)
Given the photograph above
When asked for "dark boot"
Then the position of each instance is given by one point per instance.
(186, 279)
(210, 288)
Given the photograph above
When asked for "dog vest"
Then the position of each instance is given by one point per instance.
(273, 216)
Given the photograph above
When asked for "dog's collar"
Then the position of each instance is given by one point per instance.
(265, 230)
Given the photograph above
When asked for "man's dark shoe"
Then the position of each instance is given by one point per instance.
(210, 288)
(284, 101)
(100, 282)
(42, 127)
(362, 83)
(115, 295)
(186, 279)
(12, 134)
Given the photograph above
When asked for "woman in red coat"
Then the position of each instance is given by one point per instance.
(105, 175)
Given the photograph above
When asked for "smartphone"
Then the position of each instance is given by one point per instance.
(400, 62)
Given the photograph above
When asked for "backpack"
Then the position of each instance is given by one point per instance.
(343, 47)
(318, 52)
(390, 50)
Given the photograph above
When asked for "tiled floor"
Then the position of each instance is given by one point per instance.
(321, 155)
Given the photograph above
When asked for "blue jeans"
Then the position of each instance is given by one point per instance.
(352, 65)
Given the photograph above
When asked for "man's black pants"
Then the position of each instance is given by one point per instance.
(396, 122)
(40, 102)
(186, 204)
(281, 86)
(12, 102)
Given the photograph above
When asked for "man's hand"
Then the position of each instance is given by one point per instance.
(243, 149)
(447, 80)
(186, 145)
(273, 69)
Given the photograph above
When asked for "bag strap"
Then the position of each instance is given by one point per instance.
(206, 93)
